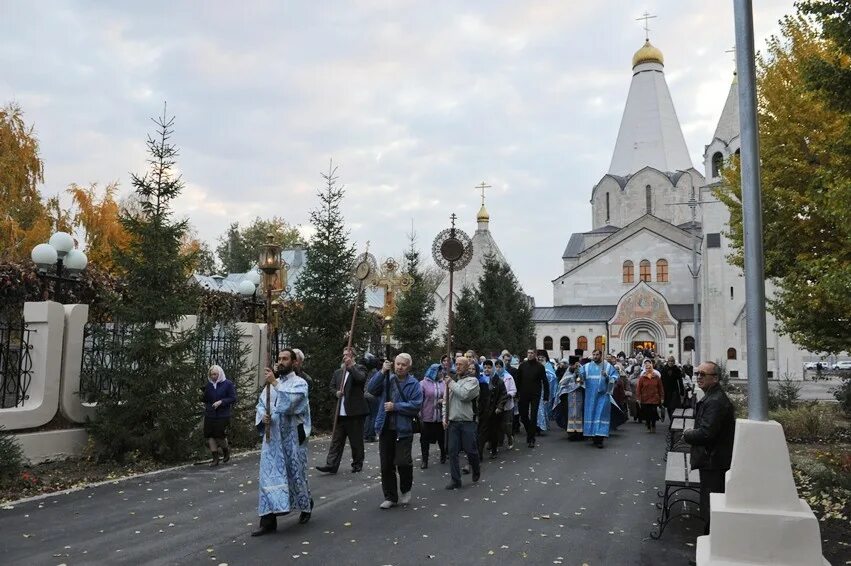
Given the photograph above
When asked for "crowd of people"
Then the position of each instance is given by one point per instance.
(469, 403)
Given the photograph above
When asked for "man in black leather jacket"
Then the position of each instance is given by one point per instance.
(711, 438)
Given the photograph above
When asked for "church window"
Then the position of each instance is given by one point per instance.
(688, 344)
(662, 270)
(548, 342)
(608, 216)
(713, 240)
(648, 199)
(598, 343)
(731, 292)
(582, 343)
(738, 153)
(644, 271)
(564, 343)
(717, 163)
(731, 353)
(628, 272)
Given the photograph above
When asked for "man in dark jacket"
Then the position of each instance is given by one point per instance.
(711, 438)
(495, 411)
(347, 385)
(672, 382)
(531, 381)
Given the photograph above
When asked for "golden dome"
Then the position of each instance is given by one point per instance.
(648, 54)
(483, 215)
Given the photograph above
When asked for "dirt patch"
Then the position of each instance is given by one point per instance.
(50, 477)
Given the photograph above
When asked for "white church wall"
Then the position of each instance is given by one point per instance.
(629, 204)
(573, 331)
(600, 280)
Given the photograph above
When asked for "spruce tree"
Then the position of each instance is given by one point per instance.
(152, 407)
(507, 316)
(317, 321)
(468, 322)
(414, 322)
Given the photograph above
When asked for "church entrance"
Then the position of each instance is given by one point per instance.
(643, 345)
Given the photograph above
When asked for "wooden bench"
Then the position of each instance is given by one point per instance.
(675, 431)
(680, 481)
(684, 412)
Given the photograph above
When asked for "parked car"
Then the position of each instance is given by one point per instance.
(813, 366)
(843, 365)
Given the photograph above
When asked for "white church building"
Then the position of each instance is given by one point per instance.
(627, 282)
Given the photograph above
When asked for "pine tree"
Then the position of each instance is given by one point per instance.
(507, 317)
(414, 323)
(318, 319)
(468, 322)
(153, 406)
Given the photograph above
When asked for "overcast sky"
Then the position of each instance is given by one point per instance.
(417, 102)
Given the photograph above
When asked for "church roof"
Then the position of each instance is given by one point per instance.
(728, 124)
(650, 133)
(577, 240)
(599, 313)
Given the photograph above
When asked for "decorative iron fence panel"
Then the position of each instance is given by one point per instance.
(279, 342)
(15, 363)
(221, 346)
(103, 357)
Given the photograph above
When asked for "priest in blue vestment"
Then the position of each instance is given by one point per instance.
(283, 483)
(597, 376)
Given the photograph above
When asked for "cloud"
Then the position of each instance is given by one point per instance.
(417, 102)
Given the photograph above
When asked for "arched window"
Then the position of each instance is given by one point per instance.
(717, 163)
(548, 342)
(644, 271)
(648, 199)
(628, 272)
(598, 344)
(662, 270)
(582, 343)
(688, 344)
(564, 343)
(731, 353)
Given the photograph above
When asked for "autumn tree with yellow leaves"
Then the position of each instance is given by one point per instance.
(805, 156)
(24, 221)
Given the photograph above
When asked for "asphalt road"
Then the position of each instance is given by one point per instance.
(560, 503)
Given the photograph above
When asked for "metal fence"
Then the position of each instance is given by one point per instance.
(15, 363)
(279, 342)
(103, 357)
(218, 346)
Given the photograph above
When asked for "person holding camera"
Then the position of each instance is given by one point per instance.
(347, 384)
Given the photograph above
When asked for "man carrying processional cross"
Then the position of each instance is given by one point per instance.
(283, 484)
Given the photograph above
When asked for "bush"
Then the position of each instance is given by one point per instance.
(788, 393)
(843, 395)
(11, 457)
(809, 422)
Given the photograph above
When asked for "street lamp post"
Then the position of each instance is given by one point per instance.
(248, 291)
(58, 261)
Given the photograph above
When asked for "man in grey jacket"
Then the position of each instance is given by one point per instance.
(461, 419)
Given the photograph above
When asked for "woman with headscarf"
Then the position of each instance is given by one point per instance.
(650, 393)
(219, 396)
(431, 412)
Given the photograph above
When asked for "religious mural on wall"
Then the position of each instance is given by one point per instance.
(642, 303)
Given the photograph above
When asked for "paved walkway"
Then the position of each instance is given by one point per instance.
(561, 503)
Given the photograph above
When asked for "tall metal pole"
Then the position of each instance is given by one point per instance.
(695, 273)
(451, 314)
(751, 214)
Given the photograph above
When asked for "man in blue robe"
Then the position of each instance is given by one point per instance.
(283, 457)
(597, 375)
(545, 412)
